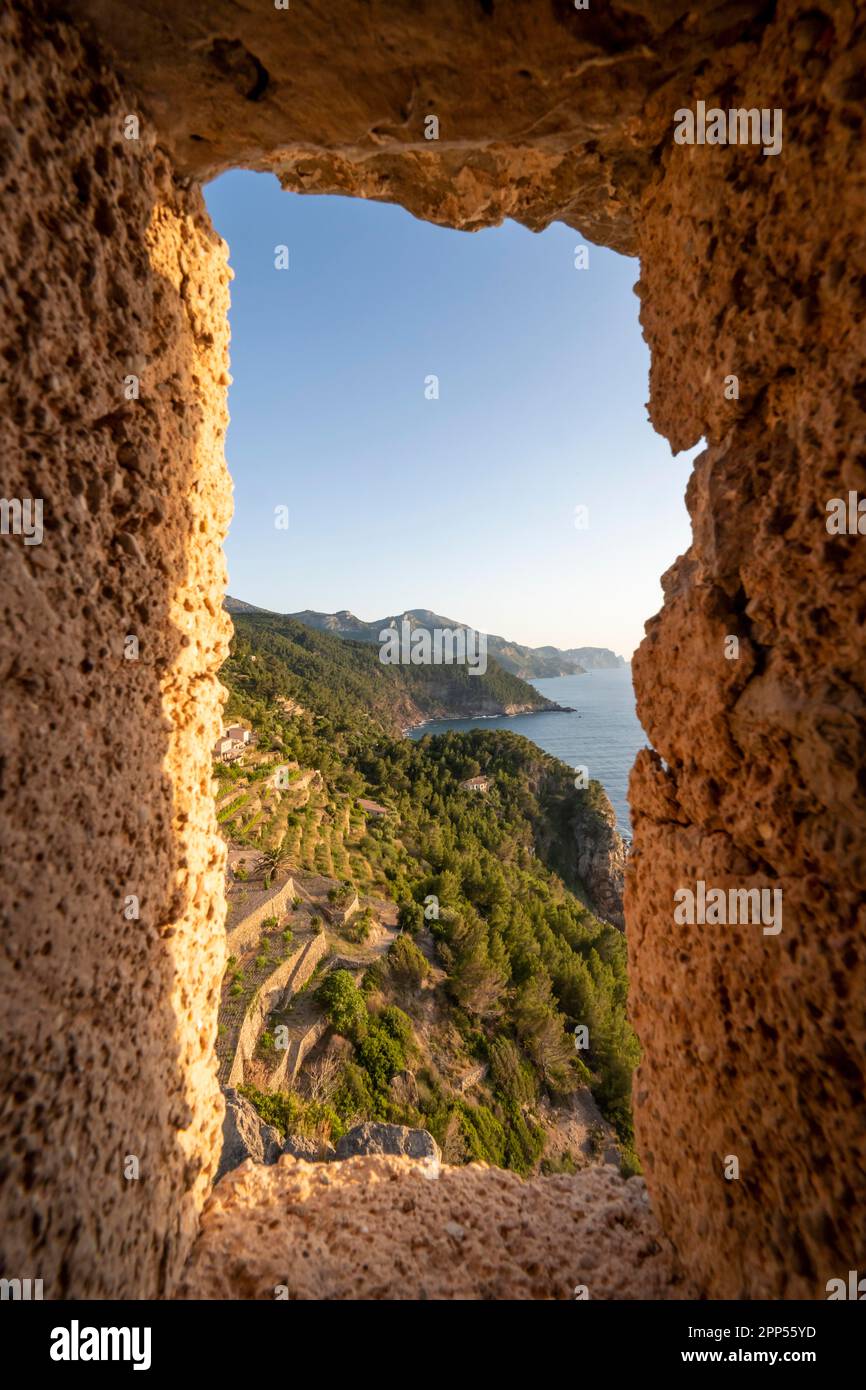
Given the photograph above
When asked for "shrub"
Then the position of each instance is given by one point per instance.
(483, 1134)
(354, 1100)
(411, 916)
(344, 1004)
(381, 1055)
(277, 1108)
(630, 1165)
(510, 1072)
(396, 1025)
(564, 1163)
(406, 962)
(524, 1143)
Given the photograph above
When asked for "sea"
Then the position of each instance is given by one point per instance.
(602, 735)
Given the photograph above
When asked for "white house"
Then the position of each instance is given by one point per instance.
(476, 784)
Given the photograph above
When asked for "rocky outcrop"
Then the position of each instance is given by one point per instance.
(543, 111)
(404, 1088)
(245, 1135)
(600, 855)
(374, 1138)
(390, 1228)
(312, 1150)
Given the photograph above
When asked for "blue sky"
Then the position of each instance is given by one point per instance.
(464, 504)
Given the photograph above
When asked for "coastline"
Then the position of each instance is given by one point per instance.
(500, 714)
(603, 735)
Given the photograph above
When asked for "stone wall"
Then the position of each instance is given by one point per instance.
(753, 1043)
(750, 265)
(301, 1046)
(250, 906)
(110, 270)
(290, 976)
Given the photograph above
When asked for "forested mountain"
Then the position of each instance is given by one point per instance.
(335, 677)
(529, 663)
(487, 880)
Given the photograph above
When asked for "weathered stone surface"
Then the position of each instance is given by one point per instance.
(372, 1138)
(753, 1044)
(543, 109)
(379, 1228)
(752, 266)
(404, 1088)
(110, 269)
(245, 1135)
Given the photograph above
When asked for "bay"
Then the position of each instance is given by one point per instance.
(603, 734)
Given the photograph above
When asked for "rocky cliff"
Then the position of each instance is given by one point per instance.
(600, 856)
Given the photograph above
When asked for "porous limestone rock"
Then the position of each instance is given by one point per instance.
(383, 1228)
(753, 1044)
(542, 109)
(112, 871)
(751, 266)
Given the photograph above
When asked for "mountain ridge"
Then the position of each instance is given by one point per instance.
(321, 668)
(527, 663)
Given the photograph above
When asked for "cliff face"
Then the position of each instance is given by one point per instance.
(442, 698)
(601, 858)
(750, 267)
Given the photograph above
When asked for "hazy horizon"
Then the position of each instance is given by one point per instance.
(415, 608)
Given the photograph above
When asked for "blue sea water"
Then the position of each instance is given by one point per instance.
(603, 735)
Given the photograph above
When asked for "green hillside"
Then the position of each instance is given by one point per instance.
(341, 679)
(483, 882)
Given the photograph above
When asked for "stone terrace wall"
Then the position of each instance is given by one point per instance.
(248, 924)
(302, 1045)
(110, 268)
(290, 976)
